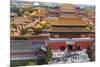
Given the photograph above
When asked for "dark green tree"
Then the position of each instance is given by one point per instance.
(49, 53)
(90, 54)
(20, 11)
(37, 30)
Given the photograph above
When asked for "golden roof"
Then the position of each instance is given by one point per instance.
(43, 22)
(38, 26)
(69, 22)
(67, 8)
(21, 19)
(51, 19)
(68, 30)
(68, 15)
(86, 20)
(32, 36)
(33, 13)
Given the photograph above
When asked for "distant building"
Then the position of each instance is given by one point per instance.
(24, 4)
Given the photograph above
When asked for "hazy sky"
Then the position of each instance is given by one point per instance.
(54, 4)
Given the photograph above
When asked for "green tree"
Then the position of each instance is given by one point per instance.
(37, 30)
(30, 9)
(49, 53)
(90, 54)
(20, 11)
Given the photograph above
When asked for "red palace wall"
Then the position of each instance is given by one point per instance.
(83, 44)
(56, 45)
